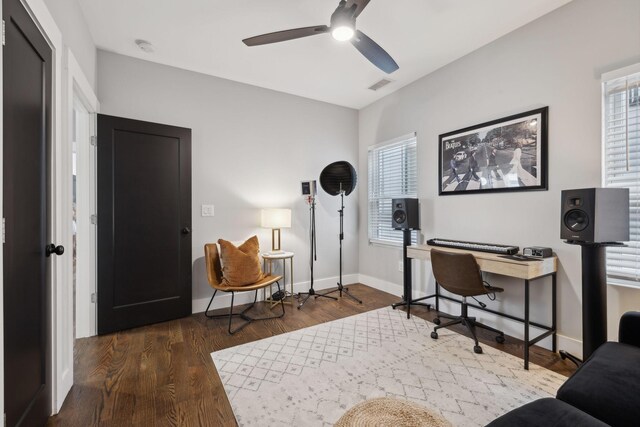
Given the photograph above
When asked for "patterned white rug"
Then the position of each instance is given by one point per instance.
(312, 376)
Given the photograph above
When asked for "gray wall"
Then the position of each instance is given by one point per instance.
(557, 61)
(251, 148)
(76, 35)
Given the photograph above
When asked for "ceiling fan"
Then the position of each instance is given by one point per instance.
(342, 28)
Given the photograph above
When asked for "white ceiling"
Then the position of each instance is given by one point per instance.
(205, 36)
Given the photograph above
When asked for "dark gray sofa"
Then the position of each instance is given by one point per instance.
(604, 391)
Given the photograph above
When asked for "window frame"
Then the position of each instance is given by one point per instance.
(608, 78)
(411, 139)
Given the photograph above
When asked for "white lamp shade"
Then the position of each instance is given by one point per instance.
(276, 218)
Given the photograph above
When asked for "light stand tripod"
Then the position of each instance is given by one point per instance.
(312, 239)
(340, 287)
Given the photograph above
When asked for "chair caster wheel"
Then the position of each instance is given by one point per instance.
(436, 320)
(500, 339)
(477, 349)
(393, 306)
(434, 335)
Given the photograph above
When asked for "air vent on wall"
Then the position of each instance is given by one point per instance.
(380, 84)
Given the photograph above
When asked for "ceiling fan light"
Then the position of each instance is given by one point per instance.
(342, 33)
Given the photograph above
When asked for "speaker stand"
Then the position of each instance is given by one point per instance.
(340, 287)
(594, 299)
(407, 285)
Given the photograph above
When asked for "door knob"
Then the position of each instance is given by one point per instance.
(53, 249)
(186, 230)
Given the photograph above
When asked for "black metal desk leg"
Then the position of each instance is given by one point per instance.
(437, 297)
(526, 324)
(554, 326)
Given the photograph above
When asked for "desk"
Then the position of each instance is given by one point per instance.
(270, 258)
(526, 270)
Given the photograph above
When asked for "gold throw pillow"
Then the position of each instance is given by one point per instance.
(240, 265)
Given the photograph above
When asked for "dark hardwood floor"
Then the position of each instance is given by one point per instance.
(163, 374)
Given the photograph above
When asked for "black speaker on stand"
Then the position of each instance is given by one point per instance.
(339, 178)
(594, 218)
(405, 216)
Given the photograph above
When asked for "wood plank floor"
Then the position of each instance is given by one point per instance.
(163, 375)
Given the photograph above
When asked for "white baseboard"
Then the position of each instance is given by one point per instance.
(383, 285)
(223, 300)
(571, 345)
(510, 327)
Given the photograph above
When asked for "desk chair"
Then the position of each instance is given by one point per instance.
(460, 274)
(214, 275)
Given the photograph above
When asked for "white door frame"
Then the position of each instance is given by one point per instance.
(75, 83)
(78, 87)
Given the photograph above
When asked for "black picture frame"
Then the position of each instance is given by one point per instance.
(503, 155)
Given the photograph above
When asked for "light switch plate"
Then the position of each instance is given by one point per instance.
(207, 210)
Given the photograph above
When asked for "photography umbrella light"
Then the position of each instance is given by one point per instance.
(339, 178)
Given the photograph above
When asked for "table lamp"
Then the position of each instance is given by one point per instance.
(275, 219)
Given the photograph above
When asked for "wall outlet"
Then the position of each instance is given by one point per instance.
(400, 265)
(207, 210)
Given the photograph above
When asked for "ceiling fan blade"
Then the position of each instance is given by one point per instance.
(361, 4)
(281, 36)
(374, 53)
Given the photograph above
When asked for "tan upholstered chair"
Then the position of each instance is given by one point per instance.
(460, 274)
(214, 275)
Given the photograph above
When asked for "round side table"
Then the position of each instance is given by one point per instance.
(268, 259)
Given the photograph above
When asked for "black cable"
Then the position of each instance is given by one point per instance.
(491, 294)
(483, 305)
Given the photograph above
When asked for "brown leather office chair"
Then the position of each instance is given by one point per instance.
(214, 275)
(460, 274)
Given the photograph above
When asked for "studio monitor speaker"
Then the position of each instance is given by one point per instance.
(405, 214)
(595, 215)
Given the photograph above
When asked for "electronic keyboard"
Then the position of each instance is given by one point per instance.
(473, 246)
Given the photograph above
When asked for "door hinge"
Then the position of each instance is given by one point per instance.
(94, 140)
(4, 39)
(94, 219)
(93, 297)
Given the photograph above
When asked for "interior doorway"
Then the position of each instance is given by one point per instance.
(84, 218)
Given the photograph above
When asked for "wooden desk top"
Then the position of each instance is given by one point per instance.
(493, 263)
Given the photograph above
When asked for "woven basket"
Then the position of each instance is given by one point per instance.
(386, 411)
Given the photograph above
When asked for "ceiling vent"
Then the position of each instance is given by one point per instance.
(380, 84)
(144, 45)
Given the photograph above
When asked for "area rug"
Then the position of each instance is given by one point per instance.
(312, 376)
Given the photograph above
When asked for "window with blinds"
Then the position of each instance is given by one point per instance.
(621, 160)
(393, 173)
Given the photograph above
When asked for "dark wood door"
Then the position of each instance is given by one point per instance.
(144, 223)
(27, 92)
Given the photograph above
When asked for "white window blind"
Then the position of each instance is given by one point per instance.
(621, 158)
(393, 173)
